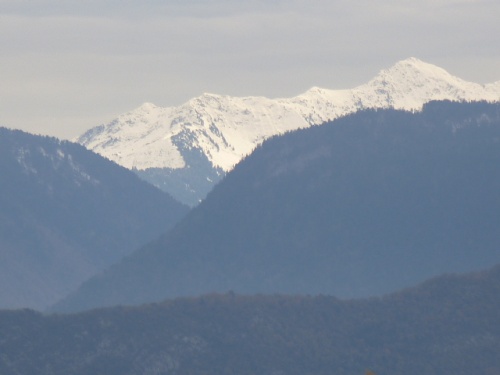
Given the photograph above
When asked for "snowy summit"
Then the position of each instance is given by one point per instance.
(186, 149)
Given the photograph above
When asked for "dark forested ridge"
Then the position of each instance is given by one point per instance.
(446, 326)
(67, 213)
(364, 205)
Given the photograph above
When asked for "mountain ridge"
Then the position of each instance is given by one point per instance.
(361, 206)
(216, 131)
(67, 213)
(445, 326)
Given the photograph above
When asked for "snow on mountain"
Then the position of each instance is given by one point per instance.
(222, 129)
(493, 87)
(138, 139)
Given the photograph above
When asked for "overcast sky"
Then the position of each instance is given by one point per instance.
(69, 65)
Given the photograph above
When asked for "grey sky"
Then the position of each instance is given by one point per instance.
(66, 66)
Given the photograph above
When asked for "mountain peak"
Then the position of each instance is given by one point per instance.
(413, 64)
(146, 107)
(216, 131)
(410, 83)
(413, 70)
(412, 61)
(315, 90)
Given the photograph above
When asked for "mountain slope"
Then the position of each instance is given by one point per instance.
(446, 326)
(361, 206)
(67, 213)
(172, 147)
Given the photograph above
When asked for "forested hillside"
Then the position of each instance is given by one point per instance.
(447, 326)
(361, 206)
(66, 214)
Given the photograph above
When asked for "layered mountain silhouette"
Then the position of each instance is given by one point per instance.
(66, 214)
(185, 150)
(361, 206)
(446, 326)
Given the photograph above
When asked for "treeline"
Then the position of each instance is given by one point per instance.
(447, 326)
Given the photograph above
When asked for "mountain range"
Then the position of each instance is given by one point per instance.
(185, 150)
(364, 205)
(269, 272)
(67, 213)
(447, 326)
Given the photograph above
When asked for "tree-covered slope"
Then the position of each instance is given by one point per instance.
(362, 206)
(447, 326)
(66, 214)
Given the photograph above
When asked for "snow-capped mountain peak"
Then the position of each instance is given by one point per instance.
(216, 131)
(411, 83)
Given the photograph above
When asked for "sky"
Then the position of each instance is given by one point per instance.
(69, 65)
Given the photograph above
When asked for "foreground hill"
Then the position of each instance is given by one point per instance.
(185, 150)
(362, 206)
(447, 326)
(67, 213)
